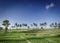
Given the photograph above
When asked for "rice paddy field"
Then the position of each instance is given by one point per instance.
(30, 36)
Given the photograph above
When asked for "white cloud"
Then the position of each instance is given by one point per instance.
(52, 5)
(49, 6)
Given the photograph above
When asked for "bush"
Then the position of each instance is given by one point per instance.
(58, 35)
(1, 28)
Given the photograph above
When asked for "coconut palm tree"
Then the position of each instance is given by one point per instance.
(45, 24)
(41, 24)
(35, 25)
(59, 25)
(54, 25)
(24, 25)
(6, 24)
(16, 25)
(20, 25)
(28, 27)
(32, 25)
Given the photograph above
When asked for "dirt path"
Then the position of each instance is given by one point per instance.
(28, 41)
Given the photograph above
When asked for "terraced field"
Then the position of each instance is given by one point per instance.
(40, 36)
(44, 40)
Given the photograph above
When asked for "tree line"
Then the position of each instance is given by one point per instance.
(6, 23)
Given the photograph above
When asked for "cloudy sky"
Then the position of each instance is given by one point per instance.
(29, 11)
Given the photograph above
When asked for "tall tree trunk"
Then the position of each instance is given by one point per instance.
(6, 29)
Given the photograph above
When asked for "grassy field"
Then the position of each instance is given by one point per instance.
(30, 36)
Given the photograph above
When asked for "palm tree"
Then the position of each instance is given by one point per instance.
(41, 24)
(28, 27)
(45, 24)
(6, 24)
(31, 25)
(58, 25)
(24, 25)
(54, 25)
(17, 25)
(20, 25)
(35, 25)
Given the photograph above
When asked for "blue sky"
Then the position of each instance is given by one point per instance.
(29, 11)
